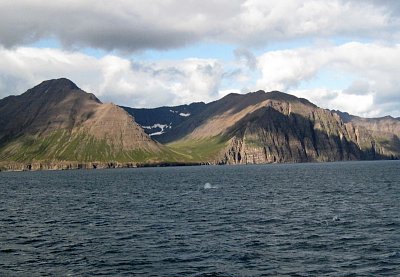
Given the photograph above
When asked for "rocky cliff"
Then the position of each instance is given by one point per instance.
(276, 127)
(56, 125)
(270, 135)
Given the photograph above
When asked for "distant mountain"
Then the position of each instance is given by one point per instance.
(167, 124)
(57, 122)
(385, 125)
(158, 121)
(56, 125)
(262, 127)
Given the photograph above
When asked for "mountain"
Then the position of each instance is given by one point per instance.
(262, 127)
(58, 123)
(381, 126)
(179, 126)
(382, 132)
(160, 120)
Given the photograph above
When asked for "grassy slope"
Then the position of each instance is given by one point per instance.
(62, 146)
(80, 147)
(201, 150)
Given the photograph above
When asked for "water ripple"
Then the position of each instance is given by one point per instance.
(337, 219)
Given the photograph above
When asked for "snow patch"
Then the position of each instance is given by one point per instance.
(157, 133)
(181, 114)
(157, 125)
(163, 128)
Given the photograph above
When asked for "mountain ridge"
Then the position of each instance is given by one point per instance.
(56, 99)
(302, 127)
(57, 122)
(56, 125)
(232, 102)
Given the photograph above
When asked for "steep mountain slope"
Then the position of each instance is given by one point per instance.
(56, 121)
(228, 109)
(57, 125)
(382, 125)
(49, 106)
(383, 131)
(269, 127)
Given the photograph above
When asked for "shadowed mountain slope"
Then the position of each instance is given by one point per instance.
(161, 120)
(57, 121)
(262, 127)
(228, 109)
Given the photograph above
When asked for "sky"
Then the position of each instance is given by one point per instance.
(339, 54)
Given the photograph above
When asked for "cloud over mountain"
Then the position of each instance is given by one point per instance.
(114, 79)
(366, 74)
(143, 53)
(368, 71)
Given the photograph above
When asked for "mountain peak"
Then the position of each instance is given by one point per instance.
(57, 120)
(51, 105)
(278, 95)
(61, 84)
(57, 90)
(243, 100)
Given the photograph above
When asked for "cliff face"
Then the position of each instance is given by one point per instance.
(382, 133)
(55, 125)
(276, 127)
(292, 132)
(269, 136)
(62, 165)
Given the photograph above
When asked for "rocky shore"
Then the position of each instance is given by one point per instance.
(35, 166)
(38, 166)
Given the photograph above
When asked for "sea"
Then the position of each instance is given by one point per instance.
(313, 219)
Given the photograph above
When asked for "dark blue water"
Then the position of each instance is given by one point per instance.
(333, 219)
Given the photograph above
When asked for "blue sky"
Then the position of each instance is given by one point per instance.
(339, 54)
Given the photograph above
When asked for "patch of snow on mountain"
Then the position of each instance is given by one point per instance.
(163, 127)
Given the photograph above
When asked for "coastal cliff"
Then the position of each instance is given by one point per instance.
(56, 125)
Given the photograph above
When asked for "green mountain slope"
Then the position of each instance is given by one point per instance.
(56, 122)
(56, 125)
(272, 127)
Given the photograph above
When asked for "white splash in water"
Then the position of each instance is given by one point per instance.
(209, 186)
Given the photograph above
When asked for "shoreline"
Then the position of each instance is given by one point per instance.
(60, 166)
(55, 166)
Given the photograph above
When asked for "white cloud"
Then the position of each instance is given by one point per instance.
(373, 68)
(288, 19)
(225, 92)
(358, 87)
(246, 57)
(139, 25)
(362, 105)
(112, 78)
